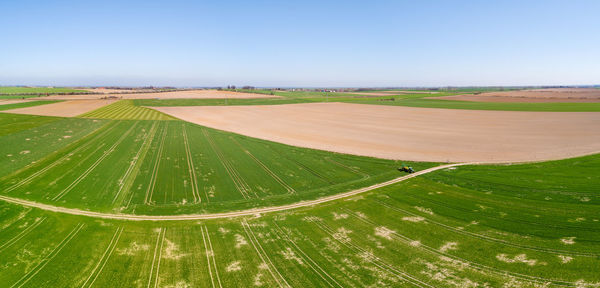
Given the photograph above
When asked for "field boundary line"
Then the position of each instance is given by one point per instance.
(248, 212)
(48, 257)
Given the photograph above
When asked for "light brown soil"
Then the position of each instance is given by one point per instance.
(108, 90)
(69, 108)
(533, 96)
(189, 94)
(11, 101)
(420, 134)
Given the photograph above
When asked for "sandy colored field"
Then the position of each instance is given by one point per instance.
(423, 134)
(533, 96)
(189, 94)
(108, 90)
(11, 101)
(69, 108)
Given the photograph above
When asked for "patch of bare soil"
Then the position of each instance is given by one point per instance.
(69, 108)
(533, 96)
(12, 101)
(188, 94)
(390, 93)
(407, 133)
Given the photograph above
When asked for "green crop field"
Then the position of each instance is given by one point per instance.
(5, 107)
(8, 92)
(526, 225)
(125, 110)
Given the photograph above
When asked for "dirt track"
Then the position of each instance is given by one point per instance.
(248, 212)
(406, 133)
(533, 96)
(189, 94)
(69, 108)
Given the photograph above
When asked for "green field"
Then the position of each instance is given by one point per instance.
(419, 233)
(7, 92)
(25, 104)
(526, 225)
(125, 110)
(405, 99)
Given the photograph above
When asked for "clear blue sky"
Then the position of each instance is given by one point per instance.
(300, 43)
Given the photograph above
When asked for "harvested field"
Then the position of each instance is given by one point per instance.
(5, 102)
(189, 94)
(63, 109)
(420, 134)
(390, 93)
(556, 95)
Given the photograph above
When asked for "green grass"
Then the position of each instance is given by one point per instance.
(125, 110)
(174, 167)
(429, 230)
(526, 225)
(8, 92)
(25, 104)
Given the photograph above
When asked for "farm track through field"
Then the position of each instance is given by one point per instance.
(210, 254)
(191, 168)
(160, 239)
(150, 190)
(248, 212)
(21, 234)
(104, 259)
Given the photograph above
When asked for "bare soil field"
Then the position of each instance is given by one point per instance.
(69, 108)
(109, 90)
(5, 102)
(189, 94)
(533, 96)
(418, 134)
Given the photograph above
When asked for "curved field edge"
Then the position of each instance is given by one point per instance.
(8, 107)
(410, 100)
(126, 110)
(173, 167)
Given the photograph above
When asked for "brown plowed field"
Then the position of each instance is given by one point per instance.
(69, 108)
(407, 133)
(189, 94)
(533, 96)
(6, 102)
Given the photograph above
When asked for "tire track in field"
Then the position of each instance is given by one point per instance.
(60, 160)
(150, 190)
(488, 238)
(287, 187)
(380, 263)
(191, 168)
(23, 280)
(263, 255)
(91, 168)
(104, 259)
(355, 171)
(210, 254)
(238, 181)
(160, 239)
(127, 180)
(248, 212)
(21, 234)
(311, 263)
(474, 265)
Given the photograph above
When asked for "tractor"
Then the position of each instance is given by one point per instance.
(405, 168)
